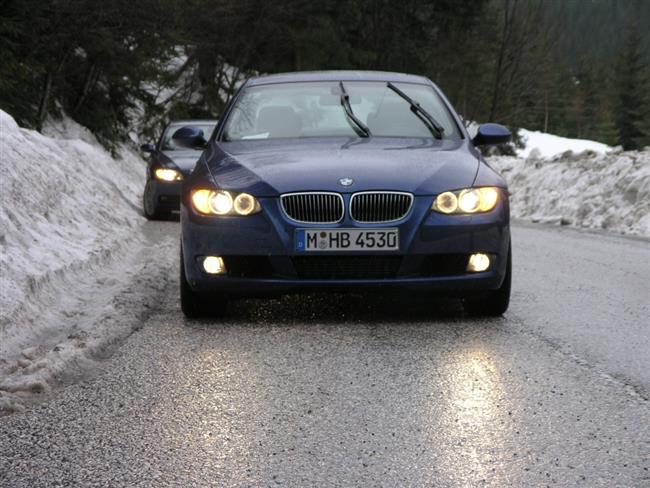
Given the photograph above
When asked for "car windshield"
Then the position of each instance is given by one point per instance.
(313, 109)
(167, 144)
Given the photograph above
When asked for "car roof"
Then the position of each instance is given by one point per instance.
(337, 75)
(193, 121)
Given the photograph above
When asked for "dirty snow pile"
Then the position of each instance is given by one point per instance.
(65, 202)
(542, 145)
(69, 222)
(607, 189)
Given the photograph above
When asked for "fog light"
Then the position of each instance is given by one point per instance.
(214, 265)
(478, 262)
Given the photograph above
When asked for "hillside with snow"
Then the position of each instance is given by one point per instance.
(596, 191)
(65, 203)
(579, 183)
(71, 246)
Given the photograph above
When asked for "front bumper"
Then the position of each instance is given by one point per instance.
(261, 260)
(167, 194)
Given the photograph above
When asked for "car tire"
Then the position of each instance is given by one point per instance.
(195, 305)
(150, 207)
(493, 303)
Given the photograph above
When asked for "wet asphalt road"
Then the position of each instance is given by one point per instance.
(365, 390)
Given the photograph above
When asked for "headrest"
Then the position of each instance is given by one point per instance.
(279, 121)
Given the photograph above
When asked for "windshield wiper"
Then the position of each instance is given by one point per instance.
(345, 102)
(433, 125)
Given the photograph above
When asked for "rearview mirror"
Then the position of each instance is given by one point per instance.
(190, 138)
(490, 134)
(333, 99)
(148, 148)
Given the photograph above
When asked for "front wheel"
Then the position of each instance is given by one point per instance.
(195, 305)
(493, 303)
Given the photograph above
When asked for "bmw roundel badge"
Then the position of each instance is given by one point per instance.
(346, 181)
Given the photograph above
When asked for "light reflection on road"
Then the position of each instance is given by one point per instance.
(215, 394)
(475, 409)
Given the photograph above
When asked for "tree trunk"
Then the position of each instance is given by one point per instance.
(546, 111)
(233, 81)
(45, 100)
(44, 105)
(298, 57)
(498, 75)
(88, 83)
(219, 85)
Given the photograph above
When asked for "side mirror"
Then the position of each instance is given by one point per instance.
(490, 134)
(148, 148)
(190, 138)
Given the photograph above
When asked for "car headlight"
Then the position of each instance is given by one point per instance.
(168, 174)
(467, 201)
(221, 202)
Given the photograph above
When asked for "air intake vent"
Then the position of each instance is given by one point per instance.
(346, 267)
(383, 206)
(313, 207)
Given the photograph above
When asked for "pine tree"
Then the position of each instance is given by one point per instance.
(631, 117)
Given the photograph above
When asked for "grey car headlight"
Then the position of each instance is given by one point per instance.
(168, 174)
(467, 201)
(221, 202)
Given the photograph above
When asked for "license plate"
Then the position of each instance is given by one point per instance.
(347, 240)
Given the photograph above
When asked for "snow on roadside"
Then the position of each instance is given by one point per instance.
(542, 145)
(70, 231)
(64, 202)
(599, 191)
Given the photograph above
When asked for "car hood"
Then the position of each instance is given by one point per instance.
(269, 168)
(183, 160)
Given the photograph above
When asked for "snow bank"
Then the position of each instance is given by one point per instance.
(543, 145)
(64, 202)
(599, 191)
(70, 231)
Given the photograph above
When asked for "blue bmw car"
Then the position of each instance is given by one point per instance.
(343, 180)
(167, 167)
